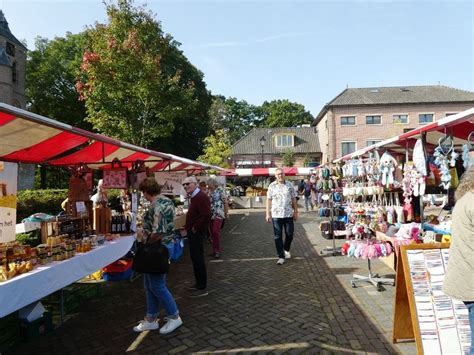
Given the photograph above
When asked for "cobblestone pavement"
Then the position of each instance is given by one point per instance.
(253, 306)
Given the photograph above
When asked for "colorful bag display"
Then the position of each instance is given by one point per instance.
(138, 173)
(116, 176)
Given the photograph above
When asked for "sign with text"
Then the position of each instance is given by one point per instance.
(171, 182)
(8, 186)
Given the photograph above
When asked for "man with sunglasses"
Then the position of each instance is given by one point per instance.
(282, 211)
(197, 221)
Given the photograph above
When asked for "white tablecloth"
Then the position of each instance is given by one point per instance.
(27, 288)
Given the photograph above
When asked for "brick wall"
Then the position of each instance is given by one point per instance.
(361, 132)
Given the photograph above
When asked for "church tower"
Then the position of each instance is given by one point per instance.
(12, 67)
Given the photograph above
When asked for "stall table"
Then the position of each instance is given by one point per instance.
(27, 288)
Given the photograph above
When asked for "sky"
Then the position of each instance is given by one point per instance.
(305, 51)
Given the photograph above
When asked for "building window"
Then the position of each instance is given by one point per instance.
(373, 119)
(451, 113)
(10, 49)
(372, 141)
(400, 119)
(425, 117)
(14, 73)
(348, 121)
(348, 147)
(284, 140)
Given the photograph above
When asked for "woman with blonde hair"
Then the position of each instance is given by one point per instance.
(459, 279)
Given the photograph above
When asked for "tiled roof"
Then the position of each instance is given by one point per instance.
(5, 31)
(401, 95)
(397, 95)
(306, 141)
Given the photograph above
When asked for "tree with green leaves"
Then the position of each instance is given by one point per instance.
(138, 86)
(283, 113)
(51, 73)
(236, 117)
(288, 157)
(217, 149)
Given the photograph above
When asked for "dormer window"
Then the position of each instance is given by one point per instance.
(284, 140)
(10, 49)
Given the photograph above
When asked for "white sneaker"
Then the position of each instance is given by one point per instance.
(287, 255)
(171, 325)
(146, 325)
(280, 261)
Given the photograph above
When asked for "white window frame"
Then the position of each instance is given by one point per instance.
(347, 141)
(286, 135)
(401, 114)
(374, 124)
(346, 125)
(426, 113)
(376, 140)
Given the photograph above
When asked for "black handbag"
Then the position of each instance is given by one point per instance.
(152, 258)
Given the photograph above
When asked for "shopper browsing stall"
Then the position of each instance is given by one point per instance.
(220, 211)
(459, 279)
(282, 211)
(158, 226)
(197, 222)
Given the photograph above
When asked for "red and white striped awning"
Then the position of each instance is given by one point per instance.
(293, 171)
(30, 138)
(459, 126)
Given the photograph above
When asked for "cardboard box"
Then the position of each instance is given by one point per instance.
(32, 330)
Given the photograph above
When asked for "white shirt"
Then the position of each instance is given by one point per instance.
(281, 196)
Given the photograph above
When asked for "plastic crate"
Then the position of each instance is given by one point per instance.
(118, 276)
(32, 330)
(118, 266)
(9, 332)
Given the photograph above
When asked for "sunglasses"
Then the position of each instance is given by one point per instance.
(186, 183)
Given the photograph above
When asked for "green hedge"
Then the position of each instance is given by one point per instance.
(34, 201)
(49, 201)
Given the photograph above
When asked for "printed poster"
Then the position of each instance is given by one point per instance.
(171, 182)
(8, 187)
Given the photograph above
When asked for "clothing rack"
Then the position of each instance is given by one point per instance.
(331, 250)
(374, 279)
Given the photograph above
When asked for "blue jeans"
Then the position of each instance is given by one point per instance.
(278, 225)
(157, 294)
(308, 202)
(470, 308)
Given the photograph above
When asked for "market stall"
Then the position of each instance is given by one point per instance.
(383, 189)
(46, 279)
(71, 246)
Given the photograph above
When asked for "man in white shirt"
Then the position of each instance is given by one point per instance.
(282, 211)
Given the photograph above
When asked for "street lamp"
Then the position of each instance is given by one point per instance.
(262, 144)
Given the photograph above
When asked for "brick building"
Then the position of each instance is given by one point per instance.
(12, 67)
(264, 147)
(357, 118)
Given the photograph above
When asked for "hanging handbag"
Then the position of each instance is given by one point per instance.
(151, 258)
(116, 176)
(78, 186)
(138, 173)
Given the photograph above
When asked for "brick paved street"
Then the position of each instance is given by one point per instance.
(254, 306)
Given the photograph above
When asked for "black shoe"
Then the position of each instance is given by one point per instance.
(198, 293)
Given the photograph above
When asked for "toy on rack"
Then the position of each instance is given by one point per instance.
(387, 167)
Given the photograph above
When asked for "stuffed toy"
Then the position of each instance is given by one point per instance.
(387, 166)
(419, 159)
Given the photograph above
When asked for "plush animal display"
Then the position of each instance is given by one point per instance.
(419, 158)
(387, 166)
